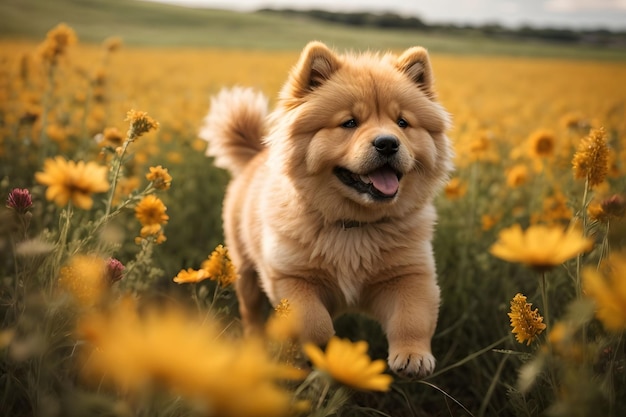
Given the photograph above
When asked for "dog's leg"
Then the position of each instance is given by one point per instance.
(252, 301)
(407, 308)
(311, 305)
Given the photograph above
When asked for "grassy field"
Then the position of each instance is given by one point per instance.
(153, 24)
(75, 341)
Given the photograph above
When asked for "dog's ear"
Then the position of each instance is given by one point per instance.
(316, 65)
(415, 63)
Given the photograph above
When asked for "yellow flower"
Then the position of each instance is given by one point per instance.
(540, 247)
(455, 188)
(150, 211)
(284, 324)
(168, 349)
(607, 287)
(57, 41)
(527, 324)
(349, 364)
(112, 44)
(140, 123)
(160, 178)
(517, 176)
(542, 144)
(112, 137)
(283, 309)
(72, 181)
(85, 277)
(190, 276)
(219, 267)
(591, 160)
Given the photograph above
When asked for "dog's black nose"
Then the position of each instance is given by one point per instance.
(387, 145)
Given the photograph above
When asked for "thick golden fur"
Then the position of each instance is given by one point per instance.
(301, 221)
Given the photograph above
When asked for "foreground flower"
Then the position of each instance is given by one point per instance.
(591, 160)
(85, 278)
(186, 356)
(140, 123)
(219, 267)
(19, 200)
(607, 287)
(540, 247)
(349, 364)
(72, 181)
(159, 177)
(527, 324)
(150, 211)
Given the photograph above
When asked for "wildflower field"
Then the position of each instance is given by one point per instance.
(116, 294)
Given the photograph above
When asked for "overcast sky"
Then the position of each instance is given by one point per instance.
(559, 13)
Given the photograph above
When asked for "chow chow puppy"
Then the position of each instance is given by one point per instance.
(330, 203)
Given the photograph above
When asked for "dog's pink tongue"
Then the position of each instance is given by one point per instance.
(385, 180)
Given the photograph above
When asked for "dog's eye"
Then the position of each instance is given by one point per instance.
(403, 123)
(350, 124)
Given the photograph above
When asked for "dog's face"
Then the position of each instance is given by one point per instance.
(365, 134)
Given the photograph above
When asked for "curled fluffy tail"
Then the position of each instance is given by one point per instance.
(234, 127)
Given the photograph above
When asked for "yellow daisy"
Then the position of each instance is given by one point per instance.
(540, 247)
(349, 364)
(72, 181)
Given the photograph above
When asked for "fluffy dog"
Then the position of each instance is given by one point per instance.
(330, 203)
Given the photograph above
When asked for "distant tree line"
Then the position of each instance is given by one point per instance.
(494, 30)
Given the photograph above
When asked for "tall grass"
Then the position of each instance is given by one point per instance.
(517, 124)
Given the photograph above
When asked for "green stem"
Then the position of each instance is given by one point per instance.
(62, 243)
(116, 173)
(583, 215)
(544, 299)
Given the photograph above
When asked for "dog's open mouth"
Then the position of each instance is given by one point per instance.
(382, 183)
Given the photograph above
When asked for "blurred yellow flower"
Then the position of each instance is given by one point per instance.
(159, 177)
(607, 287)
(349, 364)
(219, 267)
(517, 176)
(190, 275)
(112, 137)
(85, 278)
(541, 144)
(527, 324)
(72, 181)
(540, 247)
(455, 188)
(112, 44)
(140, 123)
(57, 41)
(150, 211)
(591, 160)
(168, 349)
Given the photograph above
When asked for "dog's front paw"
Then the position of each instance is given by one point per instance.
(410, 363)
